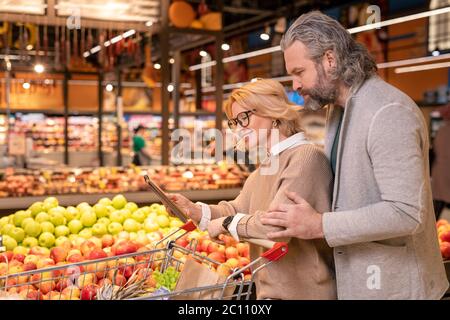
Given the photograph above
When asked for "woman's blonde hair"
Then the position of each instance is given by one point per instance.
(268, 99)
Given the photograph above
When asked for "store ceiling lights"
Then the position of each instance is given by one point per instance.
(372, 26)
(107, 43)
(149, 23)
(157, 66)
(264, 36)
(435, 53)
(225, 46)
(109, 87)
(29, 47)
(423, 67)
(170, 88)
(26, 85)
(39, 68)
(203, 53)
(171, 60)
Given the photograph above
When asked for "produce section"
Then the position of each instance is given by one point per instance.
(66, 239)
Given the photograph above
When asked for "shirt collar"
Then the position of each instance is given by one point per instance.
(288, 143)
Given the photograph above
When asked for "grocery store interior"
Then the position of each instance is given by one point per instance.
(80, 80)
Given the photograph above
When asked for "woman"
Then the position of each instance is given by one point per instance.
(141, 156)
(262, 107)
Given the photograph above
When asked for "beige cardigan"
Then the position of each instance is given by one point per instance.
(306, 271)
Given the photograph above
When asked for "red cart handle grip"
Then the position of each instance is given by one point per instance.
(189, 226)
(279, 250)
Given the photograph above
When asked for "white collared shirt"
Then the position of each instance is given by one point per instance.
(289, 143)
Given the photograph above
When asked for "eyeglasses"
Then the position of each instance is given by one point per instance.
(243, 119)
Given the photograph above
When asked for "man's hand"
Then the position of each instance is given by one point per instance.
(193, 211)
(299, 219)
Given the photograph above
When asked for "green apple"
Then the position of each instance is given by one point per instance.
(75, 226)
(88, 218)
(83, 205)
(146, 210)
(9, 243)
(152, 215)
(25, 221)
(72, 237)
(19, 216)
(105, 201)
(46, 239)
(47, 226)
(41, 217)
(60, 240)
(49, 203)
(150, 225)
(123, 235)
(110, 209)
(131, 206)
(126, 214)
(85, 233)
(17, 234)
(116, 216)
(99, 229)
(30, 242)
(72, 213)
(104, 221)
(62, 231)
(7, 228)
(33, 229)
(119, 201)
(57, 216)
(35, 208)
(4, 221)
(133, 236)
(21, 250)
(131, 225)
(176, 223)
(138, 215)
(163, 221)
(101, 210)
(115, 228)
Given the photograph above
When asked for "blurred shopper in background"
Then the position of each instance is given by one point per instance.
(141, 156)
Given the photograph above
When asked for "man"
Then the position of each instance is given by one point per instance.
(141, 156)
(382, 227)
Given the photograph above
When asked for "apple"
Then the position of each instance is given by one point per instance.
(39, 251)
(18, 234)
(72, 213)
(182, 242)
(104, 221)
(9, 243)
(125, 213)
(31, 258)
(243, 261)
(142, 239)
(119, 201)
(57, 215)
(441, 222)
(4, 221)
(47, 226)
(30, 242)
(36, 208)
(176, 223)
(233, 263)
(115, 228)
(152, 215)
(445, 249)
(131, 225)
(46, 239)
(97, 241)
(163, 221)
(42, 217)
(75, 257)
(107, 240)
(138, 215)
(33, 229)
(99, 229)
(7, 228)
(231, 252)
(83, 206)
(243, 249)
(131, 206)
(62, 231)
(445, 236)
(63, 242)
(116, 216)
(86, 247)
(58, 254)
(19, 257)
(21, 250)
(100, 210)
(228, 240)
(29, 266)
(86, 233)
(224, 270)
(19, 216)
(97, 253)
(75, 226)
(6, 256)
(44, 262)
(150, 225)
(103, 282)
(123, 235)
(49, 203)
(154, 236)
(72, 292)
(86, 279)
(212, 247)
(217, 256)
(105, 201)
(88, 218)
(25, 222)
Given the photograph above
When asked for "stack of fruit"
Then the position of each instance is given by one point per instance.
(443, 229)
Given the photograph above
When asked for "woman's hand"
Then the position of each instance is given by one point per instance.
(193, 210)
(215, 229)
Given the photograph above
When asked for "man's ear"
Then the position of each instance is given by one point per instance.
(329, 60)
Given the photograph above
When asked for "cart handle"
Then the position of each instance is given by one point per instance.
(189, 226)
(276, 249)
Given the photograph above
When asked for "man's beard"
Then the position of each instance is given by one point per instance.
(323, 93)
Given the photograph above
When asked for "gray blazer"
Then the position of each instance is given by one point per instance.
(382, 227)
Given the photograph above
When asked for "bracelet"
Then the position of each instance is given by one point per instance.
(206, 216)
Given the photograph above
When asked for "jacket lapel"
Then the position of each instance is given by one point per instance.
(332, 124)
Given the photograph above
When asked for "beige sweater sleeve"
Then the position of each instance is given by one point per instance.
(306, 171)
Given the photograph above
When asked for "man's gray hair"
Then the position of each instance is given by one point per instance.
(320, 33)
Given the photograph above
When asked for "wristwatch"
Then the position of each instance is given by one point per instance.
(226, 222)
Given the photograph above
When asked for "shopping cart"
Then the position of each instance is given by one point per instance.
(128, 276)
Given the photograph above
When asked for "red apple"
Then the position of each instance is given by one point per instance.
(97, 253)
(19, 257)
(89, 292)
(86, 247)
(445, 236)
(441, 222)
(243, 261)
(182, 242)
(45, 262)
(445, 249)
(104, 282)
(243, 249)
(72, 292)
(107, 240)
(224, 270)
(233, 263)
(61, 285)
(231, 252)
(6, 256)
(76, 257)
(39, 251)
(29, 266)
(59, 254)
(217, 256)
